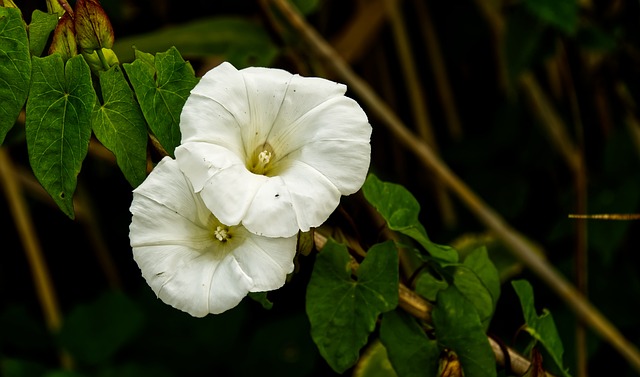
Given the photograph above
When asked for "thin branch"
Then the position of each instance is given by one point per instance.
(26, 230)
(524, 249)
(418, 101)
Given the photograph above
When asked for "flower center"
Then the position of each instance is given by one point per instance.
(262, 160)
(222, 233)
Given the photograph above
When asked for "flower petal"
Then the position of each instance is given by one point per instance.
(271, 211)
(193, 281)
(224, 183)
(266, 260)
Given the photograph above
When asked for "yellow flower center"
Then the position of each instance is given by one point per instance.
(262, 160)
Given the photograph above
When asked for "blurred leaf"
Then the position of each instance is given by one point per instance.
(595, 39)
(542, 328)
(15, 68)
(133, 370)
(261, 298)
(239, 41)
(306, 6)
(374, 362)
(522, 42)
(280, 348)
(561, 14)
(400, 209)
(41, 26)
(58, 124)
(162, 85)
(94, 332)
(458, 327)
(120, 126)
(20, 330)
(411, 352)
(10, 367)
(343, 309)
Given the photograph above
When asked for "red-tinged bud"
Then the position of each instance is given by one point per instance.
(64, 38)
(93, 28)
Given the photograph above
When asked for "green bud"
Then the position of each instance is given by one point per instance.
(93, 28)
(53, 6)
(100, 60)
(64, 38)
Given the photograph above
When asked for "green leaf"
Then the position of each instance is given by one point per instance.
(306, 6)
(58, 124)
(471, 287)
(542, 328)
(562, 14)
(480, 263)
(458, 327)
(342, 308)
(94, 332)
(41, 26)
(428, 286)
(400, 210)
(15, 68)
(240, 41)
(162, 85)
(477, 279)
(411, 352)
(119, 125)
(374, 362)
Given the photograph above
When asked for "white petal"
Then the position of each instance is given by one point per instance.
(193, 281)
(313, 195)
(271, 212)
(266, 260)
(344, 163)
(266, 89)
(224, 183)
(173, 248)
(219, 96)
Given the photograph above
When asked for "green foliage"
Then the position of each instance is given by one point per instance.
(119, 125)
(343, 306)
(41, 26)
(92, 333)
(541, 328)
(162, 84)
(410, 351)
(15, 68)
(58, 124)
(561, 14)
(400, 209)
(242, 42)
(458, 327)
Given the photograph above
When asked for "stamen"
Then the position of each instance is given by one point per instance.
(221, 234)
(264, 157)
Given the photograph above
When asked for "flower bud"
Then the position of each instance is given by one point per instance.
(100, 63)
(93, 28)
(54, 7)
(64, 38)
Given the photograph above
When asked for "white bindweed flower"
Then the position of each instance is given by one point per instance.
(271, 150)
(191, 260)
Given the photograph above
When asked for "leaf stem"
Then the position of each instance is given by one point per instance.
(103, 59)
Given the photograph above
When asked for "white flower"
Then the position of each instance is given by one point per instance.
(191, 260)
(271, 150)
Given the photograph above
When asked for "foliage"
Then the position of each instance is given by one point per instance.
(340, 312)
